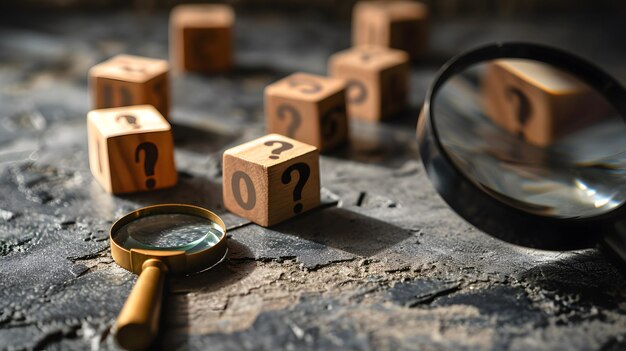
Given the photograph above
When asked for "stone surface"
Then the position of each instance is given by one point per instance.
(383, 264)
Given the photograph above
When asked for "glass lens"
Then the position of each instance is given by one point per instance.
(175, 231)
(534, 137)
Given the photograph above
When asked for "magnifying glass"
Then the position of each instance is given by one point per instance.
(528, 143)
(155, 241)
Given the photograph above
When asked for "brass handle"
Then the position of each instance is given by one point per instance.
(138, 322)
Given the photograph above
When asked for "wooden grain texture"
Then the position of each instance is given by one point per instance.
(308, 108)
(271, 179)
(201, 38)
(126, 80)
(538, 102)
(398, 24)
(131, 149)
(377, 80)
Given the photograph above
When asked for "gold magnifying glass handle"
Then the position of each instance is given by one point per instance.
(138, 322)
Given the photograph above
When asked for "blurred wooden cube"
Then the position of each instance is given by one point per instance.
(201, 38)
(271, 179)
(538, 102)
(395, 24)
(131, 149)
(308, 108)
(126, 80)
(377, 80)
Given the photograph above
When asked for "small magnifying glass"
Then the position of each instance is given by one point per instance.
(528, 143)
(155, 241)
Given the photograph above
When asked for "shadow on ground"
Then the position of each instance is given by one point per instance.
(345, 230)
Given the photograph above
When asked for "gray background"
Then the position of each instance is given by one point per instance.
(383, 264)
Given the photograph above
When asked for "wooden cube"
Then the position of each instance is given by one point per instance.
(377, 80)
(308, 108)
(126, 80)
(538, 102)
(201, 38)
(395, 24)
(271, 179)
(131, 149)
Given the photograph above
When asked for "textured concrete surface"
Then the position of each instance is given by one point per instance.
(384, 264)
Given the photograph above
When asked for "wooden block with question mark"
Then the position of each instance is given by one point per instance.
(396, 24)
(308, 108)
(537, 102)
(377, 80)
(131, 149)
(271, 179)
(201, 37)
(126, 80)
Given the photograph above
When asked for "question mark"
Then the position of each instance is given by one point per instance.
(130, 120)
(332, 120)
(151, 154)
(313, 86)
(133, 68)
(303, 171)
(366, 56)
(524, 109)
(284, 146)
(288, 110)
(361, 92)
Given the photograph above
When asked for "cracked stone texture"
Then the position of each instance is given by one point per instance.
(384, 264)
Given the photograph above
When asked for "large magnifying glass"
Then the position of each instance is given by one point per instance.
(528, 143)
(152, 242)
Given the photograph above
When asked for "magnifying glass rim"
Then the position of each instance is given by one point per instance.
(472, 202)
(180, 262)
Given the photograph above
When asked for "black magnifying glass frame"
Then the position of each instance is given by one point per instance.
(494, 216)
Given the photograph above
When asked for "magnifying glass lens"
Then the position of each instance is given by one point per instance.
(534, 137)
(175, 231)
(152, 242)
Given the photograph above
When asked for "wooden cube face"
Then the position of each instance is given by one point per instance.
(271, 179)
(377, 80)
(126, 80)
(131, 149)
(538, 102)
(201, 38)
(308, 108)
(370, 24)
(395, 24)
